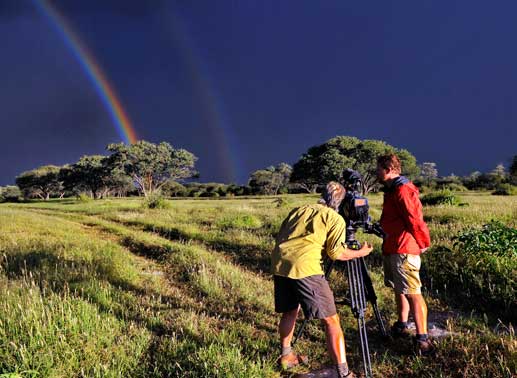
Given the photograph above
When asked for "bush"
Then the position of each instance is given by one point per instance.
(155, 200)
(83, 197)
(505, 190)
(494, 237)
(209, 194)
(479, 269)
(282, 202)
(442, 197)
(173, 189)
(455, 187)
(10, 193)
(245, 221)
(481, 282)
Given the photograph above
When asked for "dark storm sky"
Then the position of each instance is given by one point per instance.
(246, 84)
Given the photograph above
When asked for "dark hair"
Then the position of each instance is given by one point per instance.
(389, 161)
(332, 195)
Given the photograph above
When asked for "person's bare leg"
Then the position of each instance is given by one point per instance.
(419, 311)
(286, 327)
(336, 344)
(335, 339)
(403, 307)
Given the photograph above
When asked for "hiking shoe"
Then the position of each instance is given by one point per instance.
(291, 360)
(349, 375)
(399, 333)
(326, 372)
(424, 348)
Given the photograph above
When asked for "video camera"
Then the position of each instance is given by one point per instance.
(354, 209)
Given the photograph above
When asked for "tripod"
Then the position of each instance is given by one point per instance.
(360, 291)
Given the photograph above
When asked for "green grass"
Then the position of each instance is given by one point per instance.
(110, 288)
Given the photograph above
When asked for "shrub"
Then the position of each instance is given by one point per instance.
(505, 190)
(173, 189)
(479, 269)
(83, 197)
(245, 221)
(481, 282)
(455, 187)
(209, 194)
(155, 200)
(442, 197)
(10, 193)
(282, 202)
(494, 238)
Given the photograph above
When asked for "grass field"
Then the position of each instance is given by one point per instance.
(109, 288)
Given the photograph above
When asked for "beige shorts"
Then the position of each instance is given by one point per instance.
(401, 272)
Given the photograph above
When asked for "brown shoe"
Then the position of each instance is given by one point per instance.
(326, 372)
(425, 348)
(291, 360)
(400, 333)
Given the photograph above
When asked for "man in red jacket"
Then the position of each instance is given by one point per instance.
(407, 236)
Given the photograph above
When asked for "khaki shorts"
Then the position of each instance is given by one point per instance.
(401, 272)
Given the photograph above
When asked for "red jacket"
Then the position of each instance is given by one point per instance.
(402, 219)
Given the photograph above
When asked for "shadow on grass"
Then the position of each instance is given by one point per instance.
(248, 256)
(50, 272)
(53, 274)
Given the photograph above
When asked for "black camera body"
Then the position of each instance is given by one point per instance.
(354, 209)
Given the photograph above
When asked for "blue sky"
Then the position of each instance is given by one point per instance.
(247, 84)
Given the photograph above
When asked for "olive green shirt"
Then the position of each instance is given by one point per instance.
(305, 236)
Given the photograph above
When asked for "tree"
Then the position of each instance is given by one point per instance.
(119, 184)
(271, 179)
(90, 174)
(428, 172)
(326, 162)
(41, 182)
(152, 165)
(498, 174)
(513, 170)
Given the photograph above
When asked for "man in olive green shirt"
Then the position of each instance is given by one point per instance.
(308, 234)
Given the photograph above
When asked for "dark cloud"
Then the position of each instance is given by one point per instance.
(129, 8)
(10, 9)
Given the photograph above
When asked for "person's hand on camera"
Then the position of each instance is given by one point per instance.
(366, 249)
(349, 253)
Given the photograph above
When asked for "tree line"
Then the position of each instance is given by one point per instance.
(145, 168)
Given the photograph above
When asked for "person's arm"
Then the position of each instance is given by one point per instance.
(349, 254)
(411, 212)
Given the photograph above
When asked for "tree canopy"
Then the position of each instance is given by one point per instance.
(152, 165)
(41, 182)
(513, 170)
(326, 162)
(90, 173)
(428, 172)
(271, 179)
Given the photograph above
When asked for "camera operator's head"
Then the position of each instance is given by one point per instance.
(333, 195)
(388, 167)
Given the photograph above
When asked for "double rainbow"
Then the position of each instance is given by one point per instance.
(92, 69)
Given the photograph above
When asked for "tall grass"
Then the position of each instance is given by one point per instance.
(111, 288)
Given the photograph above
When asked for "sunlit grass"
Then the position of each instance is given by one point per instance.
(185, 292)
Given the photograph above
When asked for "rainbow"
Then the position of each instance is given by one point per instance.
(210, 102)
(92, 69)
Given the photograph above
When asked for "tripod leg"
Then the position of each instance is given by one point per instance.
(358, 302)
(362, 323)
(371, 297)
(300, 331)
(380, 322)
